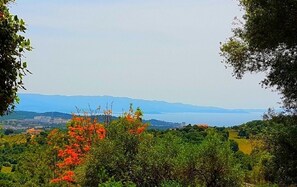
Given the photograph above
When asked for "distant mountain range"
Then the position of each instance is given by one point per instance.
(69, 104)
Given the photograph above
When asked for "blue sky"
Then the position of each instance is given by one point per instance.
(155, 49)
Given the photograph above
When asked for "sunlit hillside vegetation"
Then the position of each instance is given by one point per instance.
(123, 152)
(244, 144)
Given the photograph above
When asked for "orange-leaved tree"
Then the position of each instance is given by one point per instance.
(71, 149)
(135, 121)
(115, 157)
(82, 132)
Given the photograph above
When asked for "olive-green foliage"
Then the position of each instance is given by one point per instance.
(281, 144)
(210, 163)
(244, 160)
(111, 157)
(105, 161)
(260, 161)
(6, 183)
(273, 159)
(35, 163)
(254, 128)
(12, 47)
(156, 160)
(10, 154)
(266, 41)
(215, 164)
(191, 134)
(34, 167)
(29, 162)
(6, 180)
(163, 159)
(113, 183)
(234, 145)
(171, 183)
(6, 164)
(267, 185)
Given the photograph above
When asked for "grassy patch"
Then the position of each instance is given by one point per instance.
(233, 134)
(14, 139)
(244, 144)
(6, 169)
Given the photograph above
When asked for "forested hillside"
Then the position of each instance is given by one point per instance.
(123, 152)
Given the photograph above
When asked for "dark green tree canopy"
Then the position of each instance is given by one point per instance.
(12, 47)
(266, 41)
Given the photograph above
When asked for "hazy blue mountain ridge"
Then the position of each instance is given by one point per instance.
(68, 104)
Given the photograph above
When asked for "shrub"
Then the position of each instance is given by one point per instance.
(6, 164)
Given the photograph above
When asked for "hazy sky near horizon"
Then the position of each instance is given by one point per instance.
(148, 49)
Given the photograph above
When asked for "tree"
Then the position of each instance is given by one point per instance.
(12, 47)
(8, 131)
(267, 42)
(82, 133)
(216, 164)
(114, 157)
(281, 144)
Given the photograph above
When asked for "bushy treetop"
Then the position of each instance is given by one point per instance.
(266, 41)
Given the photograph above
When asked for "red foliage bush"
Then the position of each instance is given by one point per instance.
(82, 133)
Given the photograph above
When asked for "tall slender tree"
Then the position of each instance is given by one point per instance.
(12, 48)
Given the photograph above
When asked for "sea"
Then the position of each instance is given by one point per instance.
(211, 119)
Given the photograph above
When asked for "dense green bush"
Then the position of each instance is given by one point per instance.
(130, 156)
(281, 144)
(163, 160)
(6, 164)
